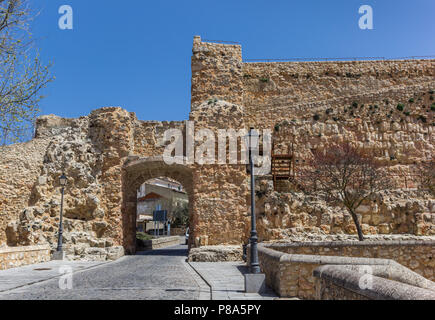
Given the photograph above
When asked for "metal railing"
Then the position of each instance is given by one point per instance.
(220, 41)
(429, 57)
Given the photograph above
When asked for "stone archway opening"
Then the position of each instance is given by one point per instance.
(139, 171)
(164, 194)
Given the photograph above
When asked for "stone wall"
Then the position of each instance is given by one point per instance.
(216, 253)
(291, 274)
(12, 257)
(19, 176)
(109, 153)
(418, 255)
(313, 104)
(216, 72)
(158, 243)
(292, 215)
(291, 89)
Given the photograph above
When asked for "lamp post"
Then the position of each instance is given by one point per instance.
(252, 145)
(62, 180)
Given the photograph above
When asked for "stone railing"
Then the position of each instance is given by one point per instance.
(291, 274)
(345, 283)
(12, 257)
(417, 255)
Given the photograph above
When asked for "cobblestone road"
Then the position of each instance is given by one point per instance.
(160, 274)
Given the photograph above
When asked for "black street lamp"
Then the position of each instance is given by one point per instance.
(253, 149)
(62, 180)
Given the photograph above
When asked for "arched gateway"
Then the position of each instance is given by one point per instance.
(137, 172)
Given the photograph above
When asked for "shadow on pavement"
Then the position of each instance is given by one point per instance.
(177, 251)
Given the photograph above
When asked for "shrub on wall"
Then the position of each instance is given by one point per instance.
(277, 127)
(422, 118)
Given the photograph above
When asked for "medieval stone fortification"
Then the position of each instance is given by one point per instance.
(108, 154)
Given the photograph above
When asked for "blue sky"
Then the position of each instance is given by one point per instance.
(136, 53)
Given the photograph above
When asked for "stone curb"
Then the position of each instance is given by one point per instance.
(382, 289)
(206, 292)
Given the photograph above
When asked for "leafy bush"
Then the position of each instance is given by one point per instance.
(316, 117)
(277, 127)
(411, 100)
(432, 107)
(143, 236)
(400, 107)
(264, 80)
(180, 216)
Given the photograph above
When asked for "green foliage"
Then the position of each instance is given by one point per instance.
(264, 79)
(400, 107)
(180, 216)
(277, 126)
(316, 117)
(22, 74)
(431, 98)
(355, 104)
(432, 107)
(143, 236)
(407, 113)
(411, 100)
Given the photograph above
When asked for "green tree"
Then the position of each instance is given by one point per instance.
(22, 74)
(180, 216)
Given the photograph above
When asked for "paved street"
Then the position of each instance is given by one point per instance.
(159, 274)
(152, 275)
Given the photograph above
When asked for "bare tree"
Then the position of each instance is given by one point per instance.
(22, 75)
(346, 175)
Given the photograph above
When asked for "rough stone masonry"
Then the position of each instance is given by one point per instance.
(109, 153)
